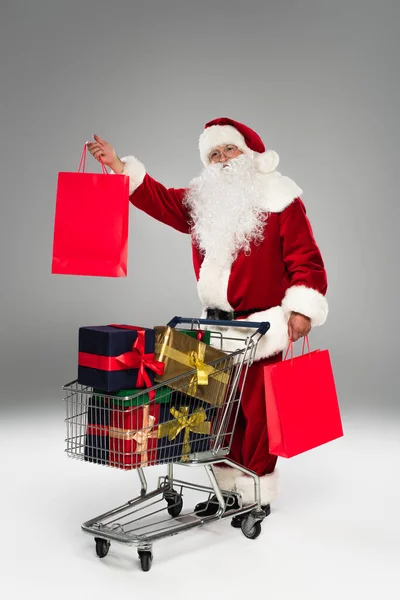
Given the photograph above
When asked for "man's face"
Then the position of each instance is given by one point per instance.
(224, 154)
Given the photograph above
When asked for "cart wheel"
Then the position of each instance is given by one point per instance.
(146, 559)
(251, 532)
(102, 547)
(175, 504)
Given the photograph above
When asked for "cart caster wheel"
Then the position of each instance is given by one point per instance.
(102, 547)
(146, 558)
(250, 532)
(175, 505)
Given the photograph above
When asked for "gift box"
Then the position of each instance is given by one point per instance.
(182, 353)
(198, 334)
(96, 439)
(133, 427)
(115, 357)
(184, 428)
(127, 398)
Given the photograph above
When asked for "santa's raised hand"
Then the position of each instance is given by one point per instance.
(100, 149)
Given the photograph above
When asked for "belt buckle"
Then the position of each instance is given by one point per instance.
(217, 314)
(212, 314)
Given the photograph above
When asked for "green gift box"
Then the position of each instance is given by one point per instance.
(140, 397)
(205, 335)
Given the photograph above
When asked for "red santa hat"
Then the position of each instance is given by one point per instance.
(227, 131)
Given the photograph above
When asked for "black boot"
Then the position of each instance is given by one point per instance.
(237, 521)
(205, 509)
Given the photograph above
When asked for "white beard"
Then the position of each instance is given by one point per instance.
(225, 207)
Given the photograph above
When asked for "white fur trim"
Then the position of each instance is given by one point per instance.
(218, 135)
(308, 302)
(280, 191)
(212, 286)
(267, 161)
(136, 171)
(226, 477)
(269, 487)
(275, 340)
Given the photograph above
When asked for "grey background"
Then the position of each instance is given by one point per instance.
(317, 80)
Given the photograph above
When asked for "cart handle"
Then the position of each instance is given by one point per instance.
(262, 328)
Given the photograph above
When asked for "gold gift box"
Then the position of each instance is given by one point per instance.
(182, 353)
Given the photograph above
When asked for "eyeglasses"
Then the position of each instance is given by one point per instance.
(228, 151)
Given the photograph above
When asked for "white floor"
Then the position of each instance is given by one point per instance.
(334, 532)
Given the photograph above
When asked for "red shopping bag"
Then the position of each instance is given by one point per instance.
(302, 405)
(91, 223)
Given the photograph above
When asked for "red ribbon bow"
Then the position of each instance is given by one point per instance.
(134, 359)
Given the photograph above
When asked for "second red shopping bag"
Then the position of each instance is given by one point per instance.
(91, 223)
(301, 403)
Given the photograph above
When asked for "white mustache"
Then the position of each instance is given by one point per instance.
(234, 165)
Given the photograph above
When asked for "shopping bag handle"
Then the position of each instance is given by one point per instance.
(291, 345)
(82, 163)
(262, 328)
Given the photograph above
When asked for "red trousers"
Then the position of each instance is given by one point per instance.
(250, 438)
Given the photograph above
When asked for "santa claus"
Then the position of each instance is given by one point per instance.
(255, 258)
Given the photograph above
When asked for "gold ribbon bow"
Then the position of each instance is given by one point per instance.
(141, 436)
(196, 361)
(196, 423)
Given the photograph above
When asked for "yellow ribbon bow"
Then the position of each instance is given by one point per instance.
(196, 361)
(196, 423)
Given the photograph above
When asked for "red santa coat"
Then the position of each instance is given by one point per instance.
(284, 273)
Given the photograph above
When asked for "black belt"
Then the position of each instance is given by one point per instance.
(215, 314)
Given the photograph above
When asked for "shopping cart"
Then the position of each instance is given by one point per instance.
(101, 428)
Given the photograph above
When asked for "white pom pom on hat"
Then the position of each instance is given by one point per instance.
(227, 131)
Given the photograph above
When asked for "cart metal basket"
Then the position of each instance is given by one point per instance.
(121, 431)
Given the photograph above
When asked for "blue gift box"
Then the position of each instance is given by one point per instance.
(196, 415)
(97, 438)
(106, 353)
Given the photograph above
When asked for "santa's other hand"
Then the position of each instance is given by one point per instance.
(298, 326)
